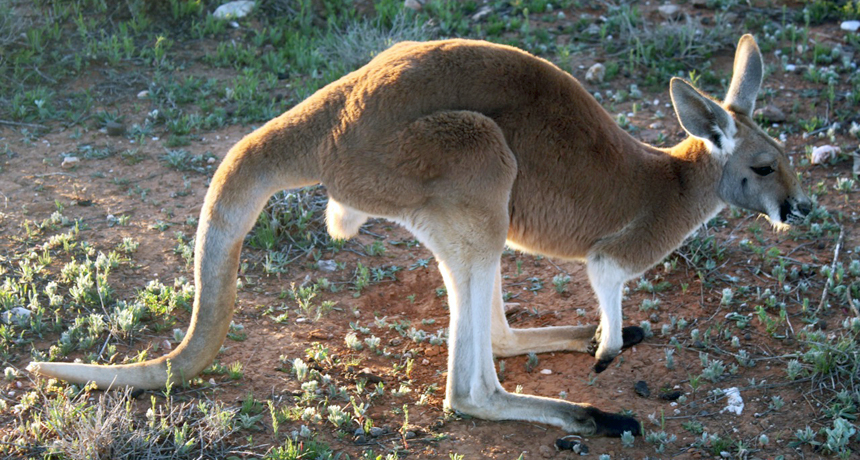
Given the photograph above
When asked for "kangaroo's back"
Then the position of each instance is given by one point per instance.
(569, 150)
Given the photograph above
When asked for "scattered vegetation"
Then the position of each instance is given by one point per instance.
(173, 76)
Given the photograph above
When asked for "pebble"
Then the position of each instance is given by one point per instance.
(482, 13)
(143, 94)
(16, 314)
(415, 5)
(327, 265)
(596, 73)
(70, 162)
(546, 371)
(376, 431)
(850, 26)
(409, 435)
(115, 129)
(641, 389)
(669, 11)
(546, 452)
(771, 113)
(234, 10)
(671, 395)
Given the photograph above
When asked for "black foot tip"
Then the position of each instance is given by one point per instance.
(614, 425)
(632, 335)
(602, 364)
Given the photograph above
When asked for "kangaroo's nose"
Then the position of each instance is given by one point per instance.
(804, 208)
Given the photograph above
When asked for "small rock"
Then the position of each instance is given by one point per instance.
(546, 371)
(857, 163)
(596, 73)
(360, 439)
(657, 125)
(234, 10)
(415, 5)
(641, 389)
(115, 129)
(790, 67)
(482, 13)
(358, 432)
(409, 435)
(671, 395)
(376, 431)
(546, 452)
(17, 314)
(211, 160)
(850, 26)
(143, 94)
(771, 113)
(669, 11)
(70, 162)
(327, 265)
(650, 136)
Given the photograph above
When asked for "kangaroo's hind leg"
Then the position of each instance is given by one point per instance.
(508, 341)
(464, 221)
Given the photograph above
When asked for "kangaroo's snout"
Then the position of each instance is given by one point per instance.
(794, 211)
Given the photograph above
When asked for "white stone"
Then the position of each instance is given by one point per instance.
(17, 314)
(669, 11)
(234, 10)
(850, 26)
(596, 73)
(69, 162)
(415, 5)
(327, 265)
(546, 371)
(482, 13)
(143, 94)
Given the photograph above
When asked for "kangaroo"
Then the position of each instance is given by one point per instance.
(472, 145)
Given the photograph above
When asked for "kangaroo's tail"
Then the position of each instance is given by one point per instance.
(278, 156)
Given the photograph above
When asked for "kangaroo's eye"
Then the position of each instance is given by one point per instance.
(762, 170)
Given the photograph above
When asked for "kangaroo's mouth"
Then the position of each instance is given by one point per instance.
(793, 212)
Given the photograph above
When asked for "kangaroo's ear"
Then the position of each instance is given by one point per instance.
(746, 77)
(702, 117)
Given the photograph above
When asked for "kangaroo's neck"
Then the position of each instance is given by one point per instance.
(674, 192)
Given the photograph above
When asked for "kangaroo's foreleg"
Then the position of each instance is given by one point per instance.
(607, 279)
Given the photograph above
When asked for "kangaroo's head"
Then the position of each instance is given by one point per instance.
(756, 173)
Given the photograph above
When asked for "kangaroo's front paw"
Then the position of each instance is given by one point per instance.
(630, 336)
